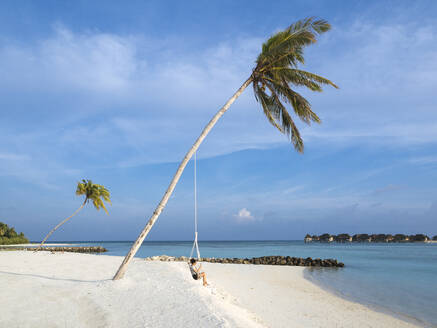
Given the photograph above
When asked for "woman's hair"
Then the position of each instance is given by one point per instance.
(192, 261)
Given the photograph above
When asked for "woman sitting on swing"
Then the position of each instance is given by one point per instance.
(195, 271)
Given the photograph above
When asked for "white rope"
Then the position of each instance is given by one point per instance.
(195, 244)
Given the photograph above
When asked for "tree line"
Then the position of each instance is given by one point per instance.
(8, 236)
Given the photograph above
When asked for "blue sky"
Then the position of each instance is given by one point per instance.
(117, 93)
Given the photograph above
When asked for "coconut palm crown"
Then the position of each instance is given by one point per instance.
(95, 193)
(276, 74)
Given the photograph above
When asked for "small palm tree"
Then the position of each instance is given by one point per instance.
(274, 78)
(93, 192)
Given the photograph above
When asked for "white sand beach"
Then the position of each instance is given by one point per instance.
(37, 244)
(76, 290)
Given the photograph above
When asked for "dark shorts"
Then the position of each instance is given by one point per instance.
(195, 276)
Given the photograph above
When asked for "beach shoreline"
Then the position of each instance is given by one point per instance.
(37, 244)
(76, 290)
(372, 306)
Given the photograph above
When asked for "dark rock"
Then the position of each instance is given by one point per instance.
(81, 249)
(264, 260)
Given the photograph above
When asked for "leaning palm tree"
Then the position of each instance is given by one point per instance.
(274, 78)
(93, 192)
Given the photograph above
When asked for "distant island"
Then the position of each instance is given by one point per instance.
(364, 237)
(8, 236)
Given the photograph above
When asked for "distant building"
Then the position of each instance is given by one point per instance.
(400, 238)
(363, 237)
(419, 238)
(379, 238)
(389, 238)
(343, 238)
(326, 238)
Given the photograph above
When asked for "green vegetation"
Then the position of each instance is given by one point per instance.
(277, 76)
(8, 236)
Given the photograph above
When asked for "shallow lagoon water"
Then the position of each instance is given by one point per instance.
(396, 278)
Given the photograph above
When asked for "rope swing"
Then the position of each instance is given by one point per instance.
(195, 244)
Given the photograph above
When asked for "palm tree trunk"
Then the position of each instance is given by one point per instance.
(55, 228)
(123, 267)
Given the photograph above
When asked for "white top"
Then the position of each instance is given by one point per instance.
(193, 269)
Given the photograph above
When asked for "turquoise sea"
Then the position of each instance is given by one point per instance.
(400, 279)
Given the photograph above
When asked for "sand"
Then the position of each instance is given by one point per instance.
(76, 290)
(36, 245)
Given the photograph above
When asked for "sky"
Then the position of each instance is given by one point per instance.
(118, 92)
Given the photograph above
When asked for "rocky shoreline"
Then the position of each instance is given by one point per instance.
(81, 249)
(264, 260)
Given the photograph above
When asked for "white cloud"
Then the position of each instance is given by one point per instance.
(244, 215)
(126, 100)
(292, 190)
(386, 75)
(91, 62)
(423, 160)
(387, 189)
(13, 157)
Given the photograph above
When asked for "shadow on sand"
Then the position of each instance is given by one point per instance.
(51, 278)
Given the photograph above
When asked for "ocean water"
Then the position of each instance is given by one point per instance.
(400, 279)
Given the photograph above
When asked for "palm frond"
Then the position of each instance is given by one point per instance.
(288, 125)
(286, 47)
(270, 110)
(95, 193)
(277, 72)
(291, 75)
(300, 105)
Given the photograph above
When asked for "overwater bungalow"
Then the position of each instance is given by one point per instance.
(419, 238)
(343, 238)
(379, 238)
(326, 238)
(363, 237)
(401, 238)
(308, 238)
(389, 238)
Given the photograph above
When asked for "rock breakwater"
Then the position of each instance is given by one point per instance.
(81, 249)
(264, 260)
